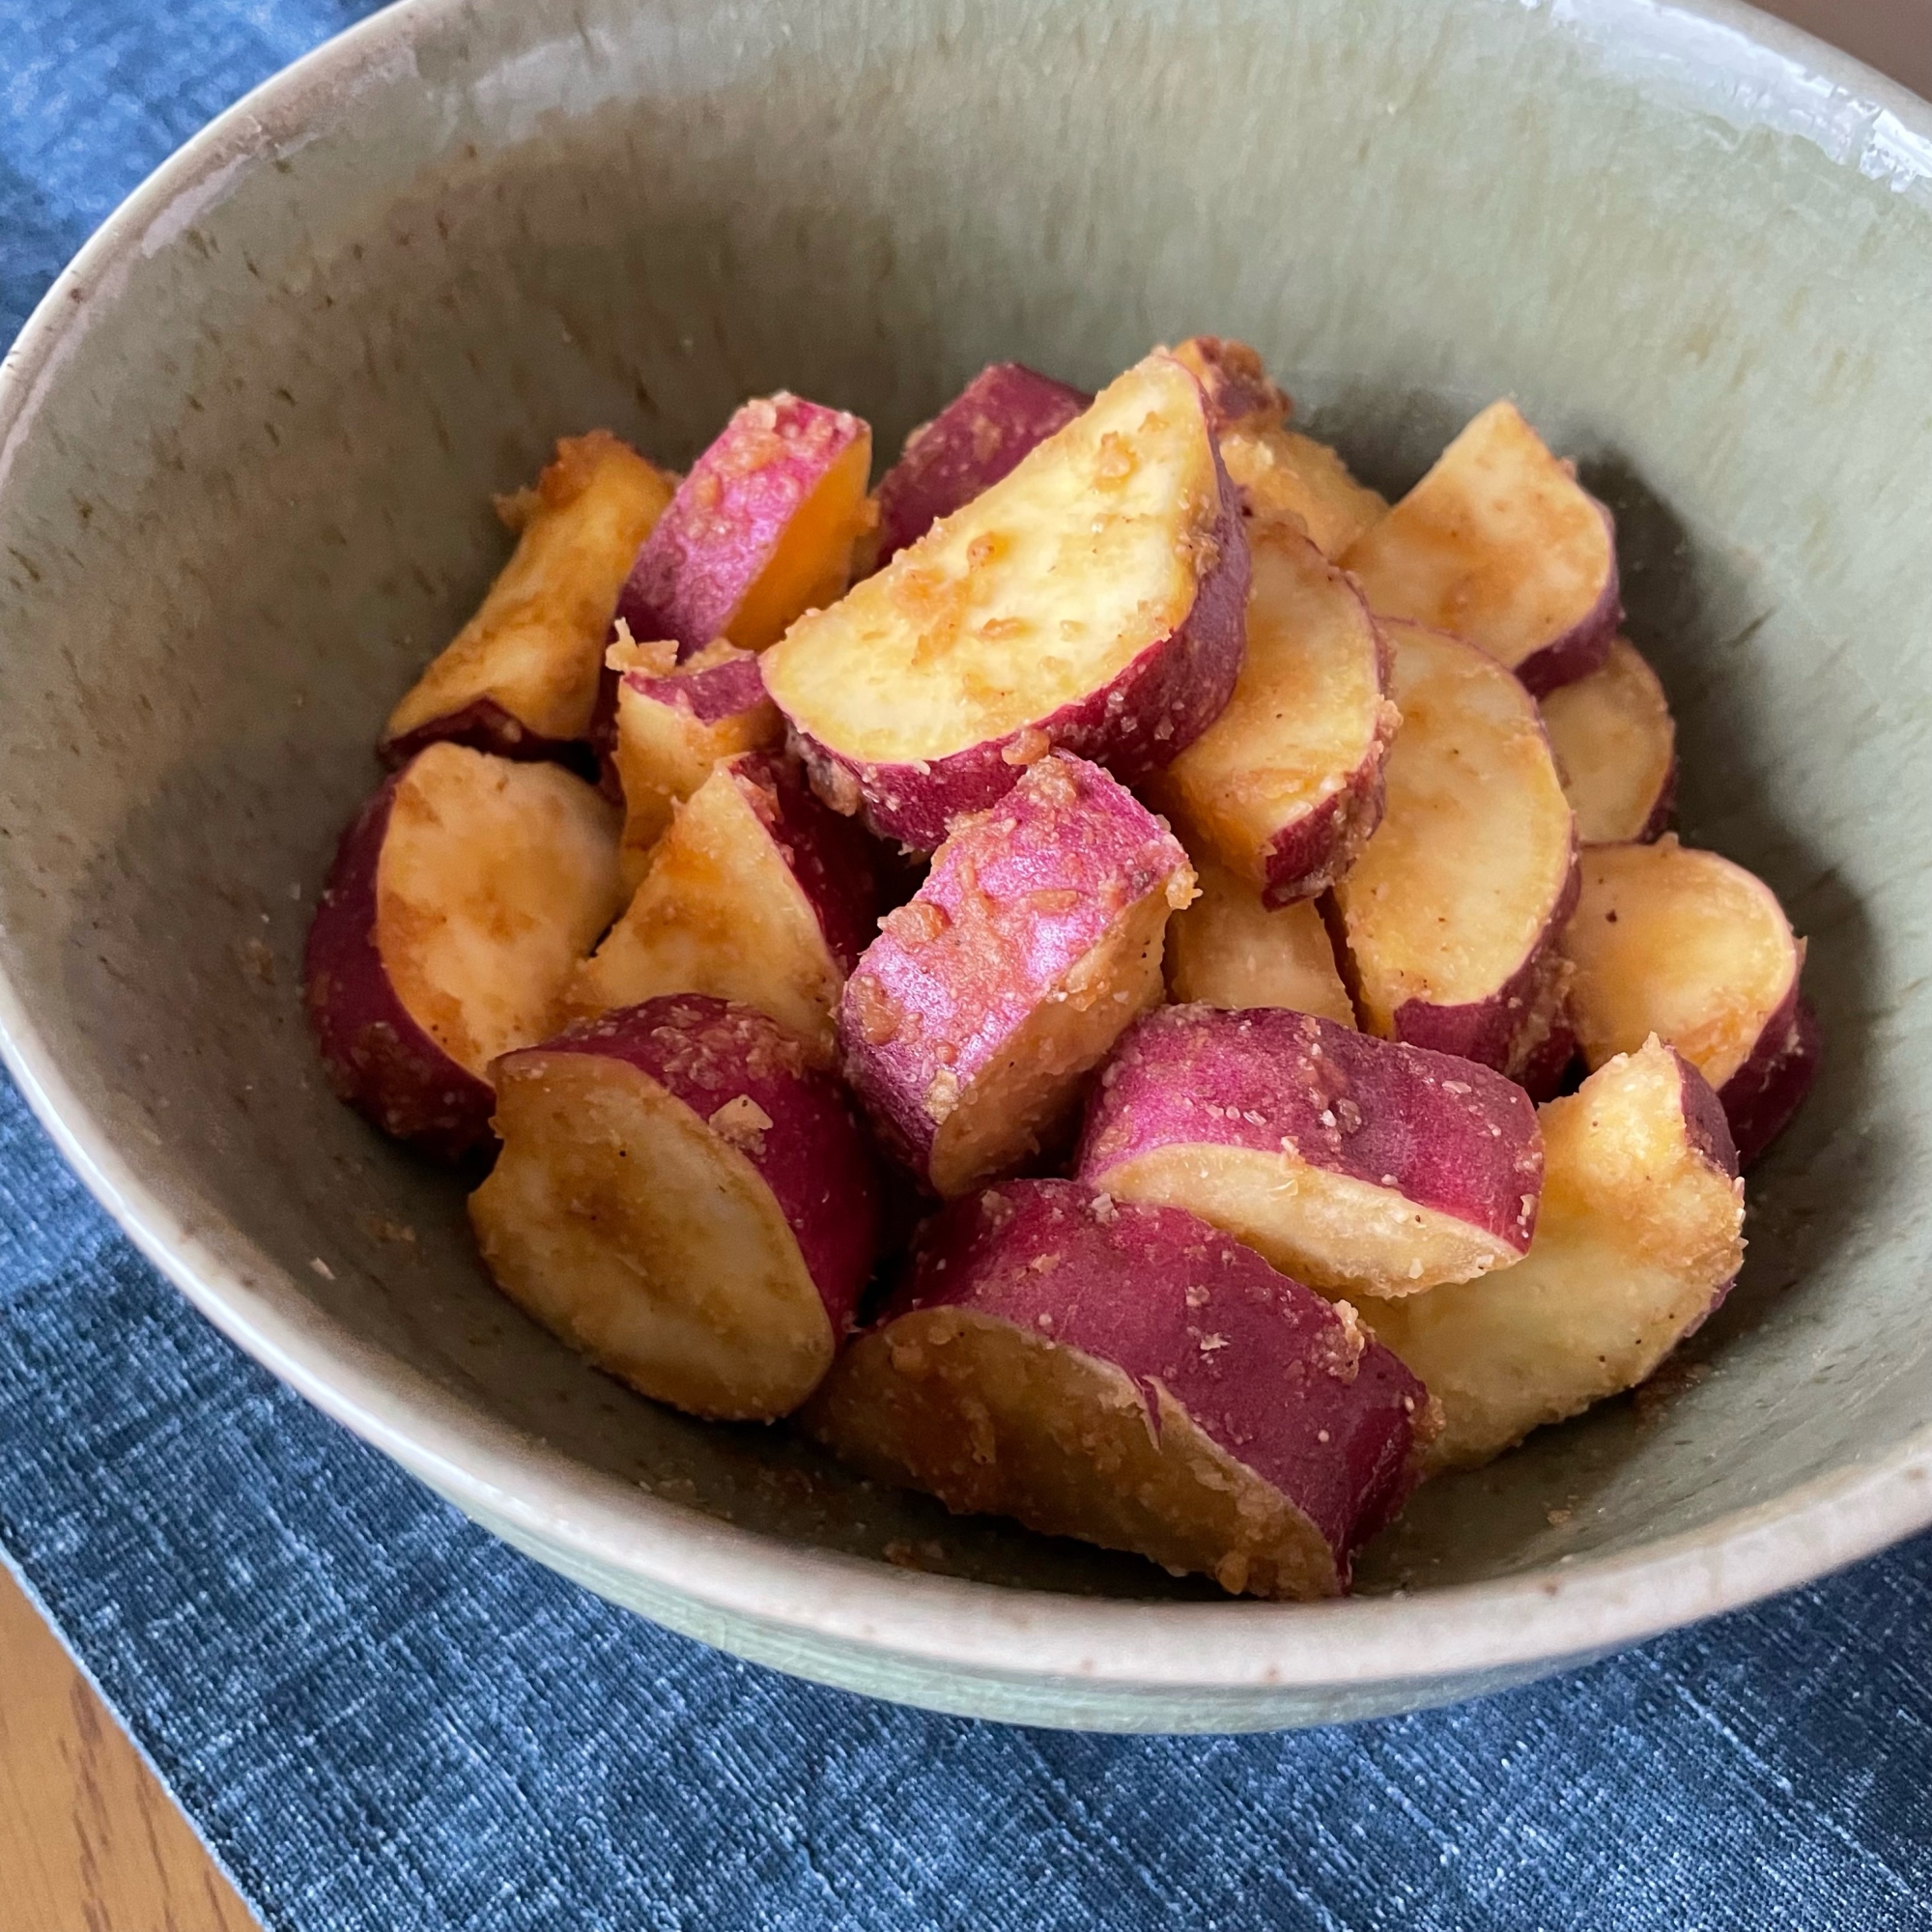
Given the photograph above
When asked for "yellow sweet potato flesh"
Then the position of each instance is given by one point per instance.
(1469, 868)
(664, 753)
(494, 879)
(631, 1229)
(1498, 544)
(813, 563)
(1329, 1231)
(1036, 594)
(1307, 719)
(536, 642)
(718, 912)
(1638, 1233)
(1615, 742)
(1228, 950)
(1287, 478)
(1679, 943)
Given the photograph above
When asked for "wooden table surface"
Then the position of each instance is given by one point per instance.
(89, 1842)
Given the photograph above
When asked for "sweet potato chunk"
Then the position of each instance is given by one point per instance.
(1228, 949)
(1091, 599)
(1239, 392)
(519, 678)
(1451, 916)
(1034, 939)
(674, 726)
(760, 531)
(1616, 744)
(1350, 1162)
(1286, 785)
(1284, 477)
(459, 899)
(1128, 1375)
(1697, 951)
(978, 437)
(757, 894)
(681, 1198)
(1500, 545)
(1639, 1239)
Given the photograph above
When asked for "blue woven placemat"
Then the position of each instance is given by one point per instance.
(382, 1721)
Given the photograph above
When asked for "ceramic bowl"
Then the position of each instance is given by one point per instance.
(246, 447)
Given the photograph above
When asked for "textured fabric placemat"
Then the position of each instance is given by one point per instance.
(380, 1720)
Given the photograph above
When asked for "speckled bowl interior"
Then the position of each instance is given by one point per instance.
(249, 447)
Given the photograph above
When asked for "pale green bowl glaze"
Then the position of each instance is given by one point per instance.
(245, 450)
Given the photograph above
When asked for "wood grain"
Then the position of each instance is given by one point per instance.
(88, 1841)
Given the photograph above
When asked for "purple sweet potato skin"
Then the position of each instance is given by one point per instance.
(1542, 1075)
(1067, 850)
(704, 554)
(1306, 858)
(1759, 1099)
(1583, 647)
(484, 725)
(1456, 1137)
(977, 439)
(1263, 1366)
(1140, 722)
(716, 691)
(1706, 1126)
(832, 859)
(374, 1054)
(1490, 1030)
(1235, 382)
(814, 1157)
(1663, 813)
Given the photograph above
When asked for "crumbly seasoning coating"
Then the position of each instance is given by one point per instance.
(1220, 1417)
(735, 505)
(1024, 910)
(1273, 1080)
(1239, 392)
(733, 1066)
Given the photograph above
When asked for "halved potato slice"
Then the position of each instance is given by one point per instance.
(1286, 786)
(757, 893)
(519, 679)
(1352, 1163)
(1091, 599)
(674, 726)
(1128, 1376)
(459, 902)
(1287, 478)
(1451, 916)
(1499, 544)
(1616, 744)
(760, 531)
(1689, 947)
(683, 1198)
